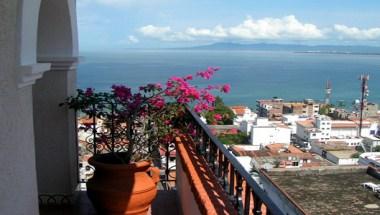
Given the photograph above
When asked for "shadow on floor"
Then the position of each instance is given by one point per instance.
(164, 204)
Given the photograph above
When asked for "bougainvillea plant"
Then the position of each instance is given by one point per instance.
(136, 123)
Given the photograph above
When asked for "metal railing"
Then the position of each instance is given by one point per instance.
(91, 143)
(231, 174)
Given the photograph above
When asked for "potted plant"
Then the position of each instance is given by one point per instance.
(127, 141)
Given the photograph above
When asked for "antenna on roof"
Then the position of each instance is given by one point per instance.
(363, 101)
(328, 91)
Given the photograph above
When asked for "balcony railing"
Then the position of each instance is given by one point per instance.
(243, 191)
(236, 181)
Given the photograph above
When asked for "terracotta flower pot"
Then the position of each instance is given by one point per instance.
(122, 188)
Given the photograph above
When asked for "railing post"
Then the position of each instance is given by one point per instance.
(232, 180)
(238, 194)
(257, 203)
(220, 164)
(225, 174)
(94, 132)
(247, 199)
(212, 156)
(112, 127)
(167, 159)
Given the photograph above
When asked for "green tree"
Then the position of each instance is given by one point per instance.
(325, 109)
(227, 114)
(234, 139)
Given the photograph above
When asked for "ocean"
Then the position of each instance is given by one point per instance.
(252, 74)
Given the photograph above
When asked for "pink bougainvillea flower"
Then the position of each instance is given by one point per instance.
(226, 88)
(158, 102)
(207, 74)
(206, 95)
(188, 77)
(122, 92)
(158, 86)
(218, 117)
(89, 92)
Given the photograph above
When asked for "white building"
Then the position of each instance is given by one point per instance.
(323, 129)
(266, 132)
(336, 152)
(368, 158)
(346, 128)
(350, 141)
(291, 119)
(318, 129)
(245, 118)
(371, 141)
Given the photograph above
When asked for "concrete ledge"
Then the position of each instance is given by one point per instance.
(207, 195)
(29, 74)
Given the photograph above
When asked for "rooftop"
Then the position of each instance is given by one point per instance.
(344, 154)
(347, 124)
(371, 155)
(335, 191)
(239, 110)
(306, 123)
(333, 146)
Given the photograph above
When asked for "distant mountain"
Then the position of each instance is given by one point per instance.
(290, 47)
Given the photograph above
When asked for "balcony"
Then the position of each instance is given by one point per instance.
(207, 179)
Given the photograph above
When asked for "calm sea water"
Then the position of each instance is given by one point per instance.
(252, 74)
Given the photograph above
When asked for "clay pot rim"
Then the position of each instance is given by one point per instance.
(136, 166)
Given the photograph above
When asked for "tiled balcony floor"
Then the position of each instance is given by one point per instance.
(164, 204)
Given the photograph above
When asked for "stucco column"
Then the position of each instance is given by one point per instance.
(55, 130)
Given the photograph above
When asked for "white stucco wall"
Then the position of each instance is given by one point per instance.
(19, 70)
(344, 132)
(55, 129)
(18, 185)
(269, 134)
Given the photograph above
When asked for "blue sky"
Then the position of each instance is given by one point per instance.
(121, 24)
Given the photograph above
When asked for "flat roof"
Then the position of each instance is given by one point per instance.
(344, 154)
(330, 192)
(306, 123)
(333, 146)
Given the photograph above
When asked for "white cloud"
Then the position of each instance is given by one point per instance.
(163, 33)
(287, 27)
(218, 32)
(154, 31)
(133, 39)
(355, 33)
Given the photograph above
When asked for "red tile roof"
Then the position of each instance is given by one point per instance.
(239, 110)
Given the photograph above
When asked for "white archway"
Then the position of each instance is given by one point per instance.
(54, 126)
(35, 75)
